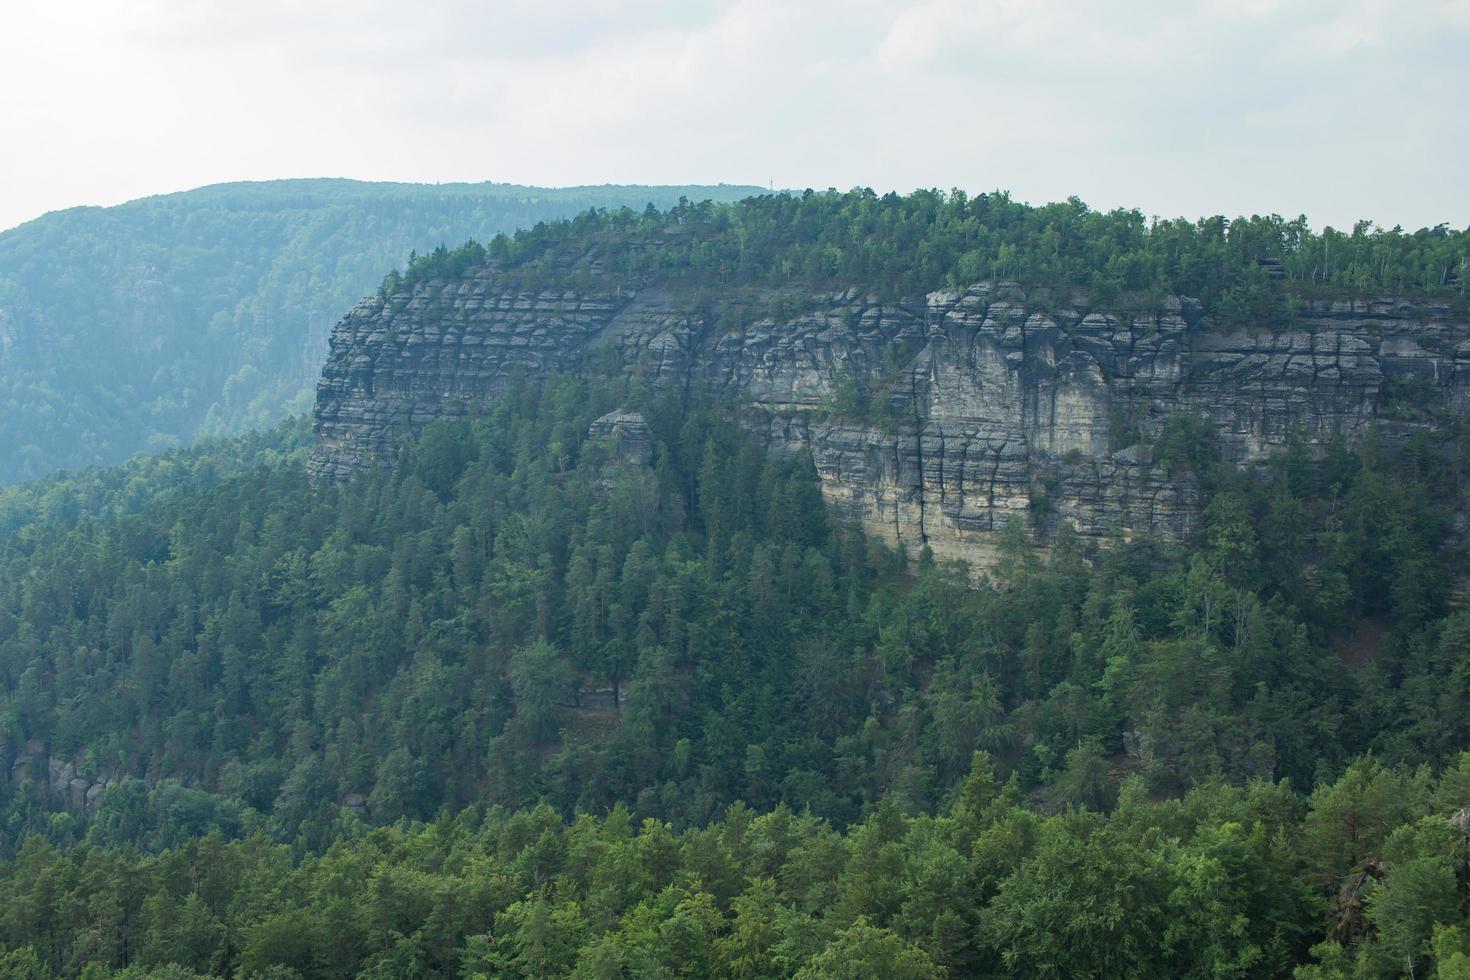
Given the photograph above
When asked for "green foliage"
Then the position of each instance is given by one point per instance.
(1187, 445)
(672, 720)
(1123, 427)
(908, 245)
(109, 493)
(1252, 271)
(1207, 885)
(863, 950)
(846, 400)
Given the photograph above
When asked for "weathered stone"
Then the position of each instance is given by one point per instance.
(76, 791)
(631, 438)
(30, 763)
(982, 410)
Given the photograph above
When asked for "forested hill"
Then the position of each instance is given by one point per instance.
(949, 363)
(593, 685)
(588, 681)
(148, 324)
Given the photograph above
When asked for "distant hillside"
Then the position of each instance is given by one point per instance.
(145, 325)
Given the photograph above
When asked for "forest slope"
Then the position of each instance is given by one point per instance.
(533, 608)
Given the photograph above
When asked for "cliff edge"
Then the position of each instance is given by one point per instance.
(931, 420)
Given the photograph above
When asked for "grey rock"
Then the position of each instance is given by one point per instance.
(989, 409)
(629, 435)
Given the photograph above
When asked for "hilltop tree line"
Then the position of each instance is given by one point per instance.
(1256, 268)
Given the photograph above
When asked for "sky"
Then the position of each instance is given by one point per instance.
(1339, 109)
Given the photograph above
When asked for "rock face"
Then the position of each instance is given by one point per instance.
(33, 763)
(931, 421)
(631, 438)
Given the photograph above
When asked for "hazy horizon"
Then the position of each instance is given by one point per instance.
(1341, 111)
(449, 184)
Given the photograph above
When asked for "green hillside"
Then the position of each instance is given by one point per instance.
(1184, 750)
(146, 325)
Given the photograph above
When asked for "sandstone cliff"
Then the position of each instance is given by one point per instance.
(976, 408)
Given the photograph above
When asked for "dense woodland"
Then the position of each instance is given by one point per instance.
(1254, 269)
(147, 325)
(524, 708)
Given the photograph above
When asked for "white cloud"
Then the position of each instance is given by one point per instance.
(1337, 108)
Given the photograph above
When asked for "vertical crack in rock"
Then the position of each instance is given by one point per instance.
(897, 478)
(959, 492)
(918, 451)
(990, 492)
(940, 434)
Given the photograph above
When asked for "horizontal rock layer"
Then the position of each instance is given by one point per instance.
(937, 420)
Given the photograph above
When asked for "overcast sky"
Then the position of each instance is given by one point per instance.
(1341, 109)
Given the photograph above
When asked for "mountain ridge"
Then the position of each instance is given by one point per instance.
(980, 408)
(146, 325)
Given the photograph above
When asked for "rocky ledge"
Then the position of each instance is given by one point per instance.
(936, 420)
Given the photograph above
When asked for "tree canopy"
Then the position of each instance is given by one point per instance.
(1253, 268)
(522, 706)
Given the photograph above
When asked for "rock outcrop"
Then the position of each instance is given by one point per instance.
(68, 785)
(629, 435)
(936, 420)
